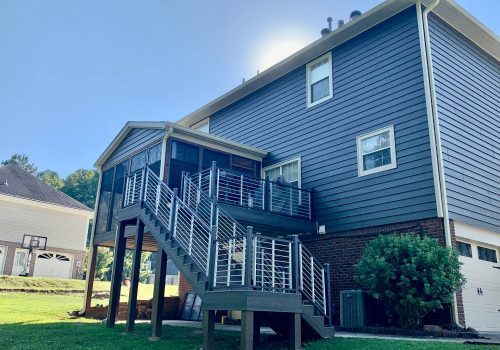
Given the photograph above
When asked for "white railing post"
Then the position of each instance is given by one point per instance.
(290, 266)
(254, 261)
(191, 229)
(229, 257)
(312, 280)
(272, 263)
(241, 190)
(214, 283)
(323, 289)
(301, 270)
(244, 262)
(133, 187)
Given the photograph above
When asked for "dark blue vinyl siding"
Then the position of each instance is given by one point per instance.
(377, 81)
(467, 84)
(136, 140)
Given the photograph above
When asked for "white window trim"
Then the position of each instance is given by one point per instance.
(359, 145)
(276, 165)
(308, 78)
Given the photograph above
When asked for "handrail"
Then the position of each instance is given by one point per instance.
(230, 255)
(258, 194)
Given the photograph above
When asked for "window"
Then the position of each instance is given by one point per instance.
(376, 151)
(185, 157)
(464, 249)
(243, 165)
(20, 258)
(487, 254)
(209, 156)
(289, 171)
(319, 80)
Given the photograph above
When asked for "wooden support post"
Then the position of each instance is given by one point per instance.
(116, 277)
(158, 293)
(208, 329)
(247, 328)
(294, 331)
(136, 268)
(89, 282)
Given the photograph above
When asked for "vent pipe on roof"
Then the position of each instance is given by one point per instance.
(355, 14)
(325, 31)
(340, 23)
(329, 20)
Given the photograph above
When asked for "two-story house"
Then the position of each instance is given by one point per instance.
(389, 123)
(31, 210)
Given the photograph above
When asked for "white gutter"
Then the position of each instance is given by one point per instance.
(434, 130)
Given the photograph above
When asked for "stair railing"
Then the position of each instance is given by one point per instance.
(275, 265)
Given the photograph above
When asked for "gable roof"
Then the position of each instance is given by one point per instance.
(447, 10)
(171, 128)
(22, 184)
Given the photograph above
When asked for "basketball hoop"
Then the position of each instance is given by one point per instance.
(32, 242)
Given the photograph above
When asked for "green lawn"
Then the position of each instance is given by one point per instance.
(41, 321)
(60, 285)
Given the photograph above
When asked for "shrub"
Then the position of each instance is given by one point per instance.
(412, 275)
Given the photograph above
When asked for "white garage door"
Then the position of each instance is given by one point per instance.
(50, 264)
(481, 295)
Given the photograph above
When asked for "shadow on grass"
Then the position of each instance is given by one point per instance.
(93, 335)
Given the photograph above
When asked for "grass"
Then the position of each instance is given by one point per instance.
(41, 321)
(64, 286)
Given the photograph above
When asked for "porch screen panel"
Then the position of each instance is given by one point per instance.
(154, 159)
(210, 156)
(104, 201)
(184, 157)
(120, 173)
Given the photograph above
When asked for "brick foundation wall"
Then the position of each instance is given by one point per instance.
(342, 251)
(170, 310)
(184, 287)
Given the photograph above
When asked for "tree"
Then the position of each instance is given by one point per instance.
(104, 260)
(82, 186)
(21, 160)
(413, 275)
(51, 178)
(145, 268)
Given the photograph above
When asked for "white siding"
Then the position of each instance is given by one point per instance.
(62, 228)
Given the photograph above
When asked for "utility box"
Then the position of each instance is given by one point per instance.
(352, 309)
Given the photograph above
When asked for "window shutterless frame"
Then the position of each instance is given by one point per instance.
(309, 67)
(281, 164)
(359, 145)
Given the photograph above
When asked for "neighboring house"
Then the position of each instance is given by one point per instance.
(389, 124)
(28, 206)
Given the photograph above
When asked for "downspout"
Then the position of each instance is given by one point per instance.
(435, 132)
(168, 132)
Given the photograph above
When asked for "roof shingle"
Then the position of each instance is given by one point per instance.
(20, 183)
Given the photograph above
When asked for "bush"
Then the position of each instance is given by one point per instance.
(413, 275)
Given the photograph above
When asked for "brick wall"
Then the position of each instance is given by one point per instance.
(184, 287)
(342, 250)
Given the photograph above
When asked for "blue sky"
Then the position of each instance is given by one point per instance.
(73, 72)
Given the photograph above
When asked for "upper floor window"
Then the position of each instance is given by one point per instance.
(289, 171)
(464, 249)
(487, 254)
(319, 80)
(376, 151)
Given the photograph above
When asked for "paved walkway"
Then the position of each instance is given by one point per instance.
(493, 338)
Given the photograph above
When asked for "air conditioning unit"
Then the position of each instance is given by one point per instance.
(352, 309)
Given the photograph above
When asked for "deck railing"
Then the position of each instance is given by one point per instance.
(258, 194)
(230, 255)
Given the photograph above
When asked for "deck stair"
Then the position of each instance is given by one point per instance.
(224, 261)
